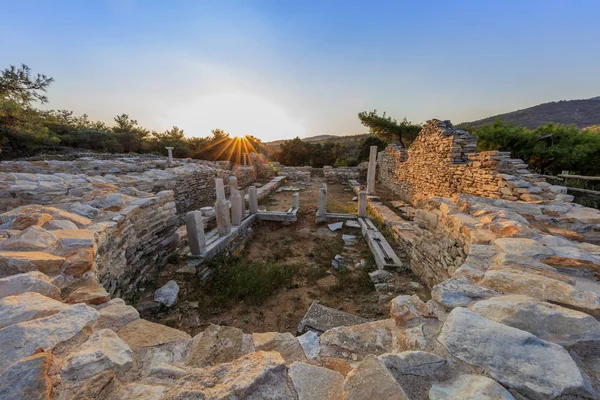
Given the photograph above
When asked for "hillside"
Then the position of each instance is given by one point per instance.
(320, 138)
(581, 113)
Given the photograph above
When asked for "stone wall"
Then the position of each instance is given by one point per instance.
(442, 162)
(340, 174)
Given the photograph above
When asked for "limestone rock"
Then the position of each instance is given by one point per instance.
(413, 362)
(34, 219)
(115, 314)
(27, 306)
(104, 350)
(283, 343)
(79, 261)
(310, 344)
(547, 321)
(136, 334)
(167, 294)
(515, 358)
(259, 375)
(33, 238)
(459, 292)
(75, 238)
(408, 310)
(312, 382)
(59, 224)
(523, 247)
(91, 294)
(357, 341)
(469, 387)
(216, 345)
(138, 391)
(25, 338)
(28, 282)
(27, 379)
(15, 262)
(544, 287)
(371, 380)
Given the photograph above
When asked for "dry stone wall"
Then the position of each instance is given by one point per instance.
(442, 162)
(340, 174)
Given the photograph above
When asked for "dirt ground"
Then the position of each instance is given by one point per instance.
(307, 247)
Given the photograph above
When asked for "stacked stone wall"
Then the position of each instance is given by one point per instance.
(442, 162)
(340, 174)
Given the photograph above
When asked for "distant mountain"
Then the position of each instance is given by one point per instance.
(319, 138)
(581, 113)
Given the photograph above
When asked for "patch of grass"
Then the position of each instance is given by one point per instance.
(357, 281)
(342, 208)
(252, 282)
(325, 250)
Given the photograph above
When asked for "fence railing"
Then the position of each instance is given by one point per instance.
(565, 176)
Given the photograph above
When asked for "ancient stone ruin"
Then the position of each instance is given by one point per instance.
(513, 268)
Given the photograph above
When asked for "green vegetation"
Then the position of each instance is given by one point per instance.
(548, 149)
(25, 130)
(388, 129)
(334, 152)
(239, 280)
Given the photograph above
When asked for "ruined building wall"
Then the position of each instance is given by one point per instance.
(340, 174)
(442, 162)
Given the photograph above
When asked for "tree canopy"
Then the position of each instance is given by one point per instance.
(389, 129)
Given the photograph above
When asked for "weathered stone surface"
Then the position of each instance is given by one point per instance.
(75, 238)
(58, 224)
(15, 262)
(371, 380)
(79, 262)
(167, 294)
(25, 338)
(358, 341)
(97, 387)
(136, 334)
(283, 343)
(310, 344)
(34, 219)
(115, 314)
(469, 387)
(27, 379)
(547, 321)
(28, 282)
(522, 246)
(138, 391)
(259, 375)
(33, 238)
(413, 362)
(526, 363)
(542, 286)
(91, 294)
(408, 310)
(27, 306)
(320, 318)
(104, 350)
(312, 382)
(216, 345)
(459, 292)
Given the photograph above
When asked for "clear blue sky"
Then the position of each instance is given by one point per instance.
(282, 68)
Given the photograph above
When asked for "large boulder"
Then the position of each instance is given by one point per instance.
(371, 380)
(103, 351)
(515, 358)
(357, 341)
(167, 294)
(25, 338)
(419, 363)
(547, 321)
(259, 375)
(459, 292)
(27, 306)
(283, 343)
(543, 286)
(115, 314)
(469, 387)
(216, 345)
(15, 262)
(33, 281)
(27, 379)
(141, 333)
(312, 382)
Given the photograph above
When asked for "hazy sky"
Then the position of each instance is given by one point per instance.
(282, 68)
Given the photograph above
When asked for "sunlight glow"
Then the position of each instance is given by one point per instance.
(239, 114)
